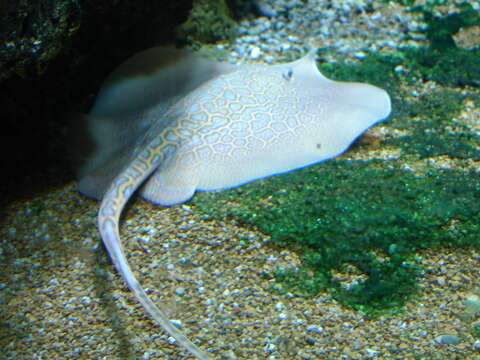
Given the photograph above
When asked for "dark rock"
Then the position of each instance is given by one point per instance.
(54, 54)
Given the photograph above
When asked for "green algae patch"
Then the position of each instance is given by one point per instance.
(432, 127)
(369, 216)
(440, 29)
(451, 66)
(443, 61)
(358, 225)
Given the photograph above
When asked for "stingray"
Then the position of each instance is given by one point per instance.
(168, 123)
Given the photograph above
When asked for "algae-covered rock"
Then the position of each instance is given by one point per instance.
(241, 8)
(32, 33)
(54, 54)
(209, 21)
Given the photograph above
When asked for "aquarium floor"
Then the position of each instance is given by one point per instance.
(60, 296)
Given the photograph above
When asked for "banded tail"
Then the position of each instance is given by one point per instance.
(111, 208)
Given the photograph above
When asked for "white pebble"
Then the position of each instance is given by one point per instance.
(371, 352)
(269, 348)
(315, 329)
(360, 55)
(255, 53)
(476, 345)
(177, 323)
(86, 300)
(447, 340)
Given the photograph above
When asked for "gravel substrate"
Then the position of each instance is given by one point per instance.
(61, 298)
(346, 28)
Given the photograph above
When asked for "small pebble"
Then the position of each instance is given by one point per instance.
(230, 355)
(371, 352)
(269, 348)
(357, 345)
(12, 232)
(314, 329)
(360, 55)
(269, 60)
(177, 323)
(209, 302)
(447, 340)
(255, 53)
(180, 291)
(86, 300)
(472, 304)
(476, 345)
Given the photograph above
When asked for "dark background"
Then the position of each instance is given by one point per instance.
(54, 55)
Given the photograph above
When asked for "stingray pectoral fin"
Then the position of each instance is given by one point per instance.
(153, 76)
(374, 102)
(101, 148)
(96, 182)
(170, 186)
(113, 202)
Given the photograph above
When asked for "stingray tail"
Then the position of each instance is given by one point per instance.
(108, 219)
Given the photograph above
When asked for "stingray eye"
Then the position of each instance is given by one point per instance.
(287, 74)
